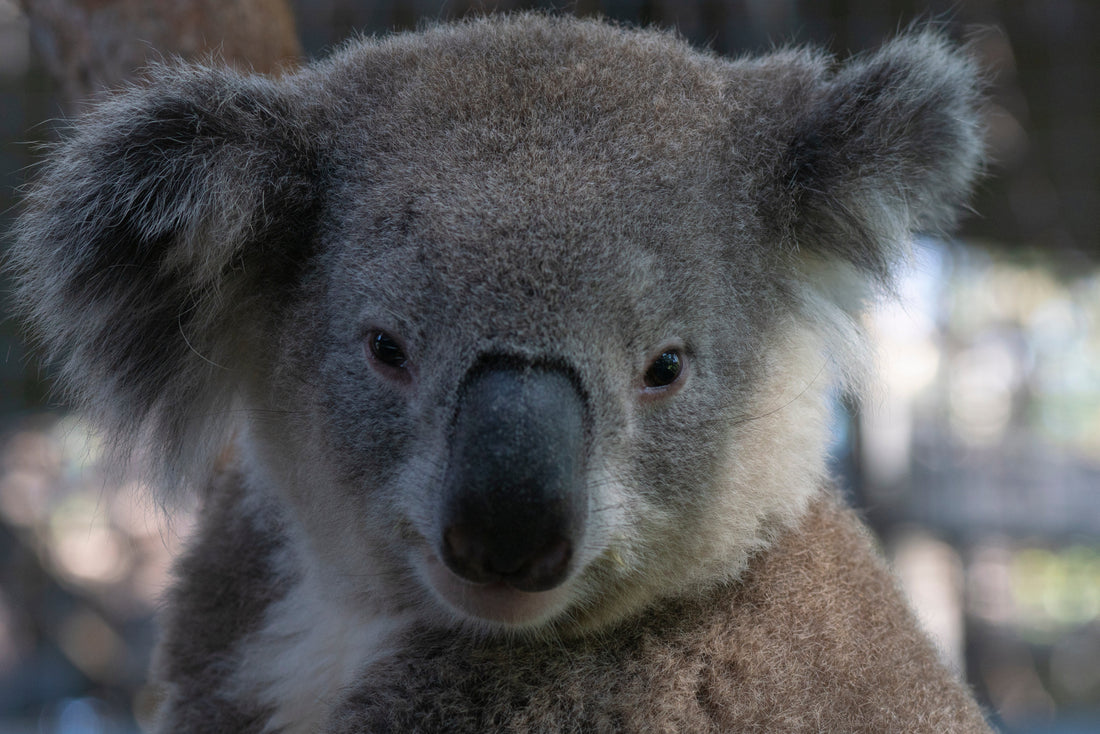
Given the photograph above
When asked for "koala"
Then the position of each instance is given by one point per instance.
(502, 353)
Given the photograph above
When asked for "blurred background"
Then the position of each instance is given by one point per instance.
(976, 460)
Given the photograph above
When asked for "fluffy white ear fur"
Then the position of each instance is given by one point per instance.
(890, 145)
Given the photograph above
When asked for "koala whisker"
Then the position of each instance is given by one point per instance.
(366, 576)
(607, 507)
(196, 352)
(801, 393)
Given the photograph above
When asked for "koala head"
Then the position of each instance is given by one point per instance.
(522, 322)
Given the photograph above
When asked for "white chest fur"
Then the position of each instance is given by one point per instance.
(306, 654)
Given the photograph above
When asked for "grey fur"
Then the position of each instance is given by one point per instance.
(206, 256)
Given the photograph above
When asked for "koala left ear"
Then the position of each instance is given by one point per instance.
(889, 145)
(151, 247)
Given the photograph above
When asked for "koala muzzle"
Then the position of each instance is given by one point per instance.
(515, 503)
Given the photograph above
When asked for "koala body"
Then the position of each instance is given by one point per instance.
(523, 330)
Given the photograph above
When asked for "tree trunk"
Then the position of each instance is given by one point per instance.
(93, 45)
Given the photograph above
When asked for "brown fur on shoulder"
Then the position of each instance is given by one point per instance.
(815, 638)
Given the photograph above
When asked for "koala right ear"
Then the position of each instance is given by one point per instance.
(887, 145)
(150, 249)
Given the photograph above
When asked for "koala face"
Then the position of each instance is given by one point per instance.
(528, 374)
(525, 322)
(500, 410)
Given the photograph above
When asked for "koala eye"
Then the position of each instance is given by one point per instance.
(387, 351)
(665, 370)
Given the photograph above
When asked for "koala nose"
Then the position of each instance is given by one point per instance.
(515, 502)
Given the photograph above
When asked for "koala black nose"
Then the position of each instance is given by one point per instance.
(515, 503)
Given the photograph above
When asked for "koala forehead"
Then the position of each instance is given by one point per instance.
(497, 247)
(577, 171)
(550, 284)
(523, 91)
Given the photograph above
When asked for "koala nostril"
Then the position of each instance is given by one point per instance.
(531, 568)
(465, 554)
(546, 569)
